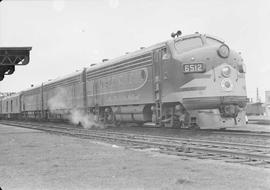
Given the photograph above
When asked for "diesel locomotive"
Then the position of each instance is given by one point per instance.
(188, 81)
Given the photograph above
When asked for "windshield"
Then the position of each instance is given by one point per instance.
(188, 44)
(213, 41)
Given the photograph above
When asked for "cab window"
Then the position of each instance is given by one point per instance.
(188, 44)
(212, 41)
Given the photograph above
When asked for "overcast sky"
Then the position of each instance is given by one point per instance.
(67, 35)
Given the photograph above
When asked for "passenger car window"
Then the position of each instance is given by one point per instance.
(188, 44)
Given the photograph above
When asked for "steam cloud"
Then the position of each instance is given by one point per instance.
(60, 103)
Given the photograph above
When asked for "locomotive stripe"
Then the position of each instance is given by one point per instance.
(143, 59)
(121, 69)
(202, 76)
(64, 82)
(124, 90)
(222, 99)
(138, 60)
(192, 88)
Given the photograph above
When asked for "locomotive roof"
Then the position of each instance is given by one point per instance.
(32, 88)
(11, 96)
(76, 73)
(118, 59)
(54, 80)
(138, 52)
(127, 56)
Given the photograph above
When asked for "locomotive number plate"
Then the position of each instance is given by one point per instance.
(193, 68)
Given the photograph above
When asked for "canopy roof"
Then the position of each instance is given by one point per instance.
(14, 55)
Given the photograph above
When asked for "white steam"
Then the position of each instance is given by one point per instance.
(86, 120)
(60, 103)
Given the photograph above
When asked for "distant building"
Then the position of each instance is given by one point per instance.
(267, 97)
(255, 108)
(267, 103)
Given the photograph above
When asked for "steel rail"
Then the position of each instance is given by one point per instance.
(216, 131)
(186, 148)
(222, 132)
(174, 139)
(188, 140)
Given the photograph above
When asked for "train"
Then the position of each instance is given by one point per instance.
(188, 81)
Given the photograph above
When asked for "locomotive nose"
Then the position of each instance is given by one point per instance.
(226, 84)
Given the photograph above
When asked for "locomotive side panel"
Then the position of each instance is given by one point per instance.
(10, 106)
(4, 106)
(166, 70)
(128, 87)
(31, 100)
(63, 95)
(16, 104)
(58, 98)
(126, 83)
(78, 96)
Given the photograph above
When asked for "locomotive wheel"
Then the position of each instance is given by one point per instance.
(108, 116)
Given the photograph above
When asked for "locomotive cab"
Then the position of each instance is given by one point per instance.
(210, 81)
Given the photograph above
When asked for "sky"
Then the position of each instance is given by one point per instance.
(68, 35)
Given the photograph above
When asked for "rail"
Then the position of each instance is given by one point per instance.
(256, 155)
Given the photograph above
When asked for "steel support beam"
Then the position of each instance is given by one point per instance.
(11, 57)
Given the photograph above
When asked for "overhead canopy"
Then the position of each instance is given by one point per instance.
(14, 55)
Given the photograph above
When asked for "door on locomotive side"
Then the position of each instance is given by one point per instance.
(157, 78)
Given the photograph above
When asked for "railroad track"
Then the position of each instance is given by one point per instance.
(203, 131)
(238, 132)
(264, 137)
(251, 154)
(224, 131)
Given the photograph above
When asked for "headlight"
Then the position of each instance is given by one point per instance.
(223, 51)
(226, 71)
(227, 84)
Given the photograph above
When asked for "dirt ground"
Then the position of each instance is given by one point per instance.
(32, 159)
